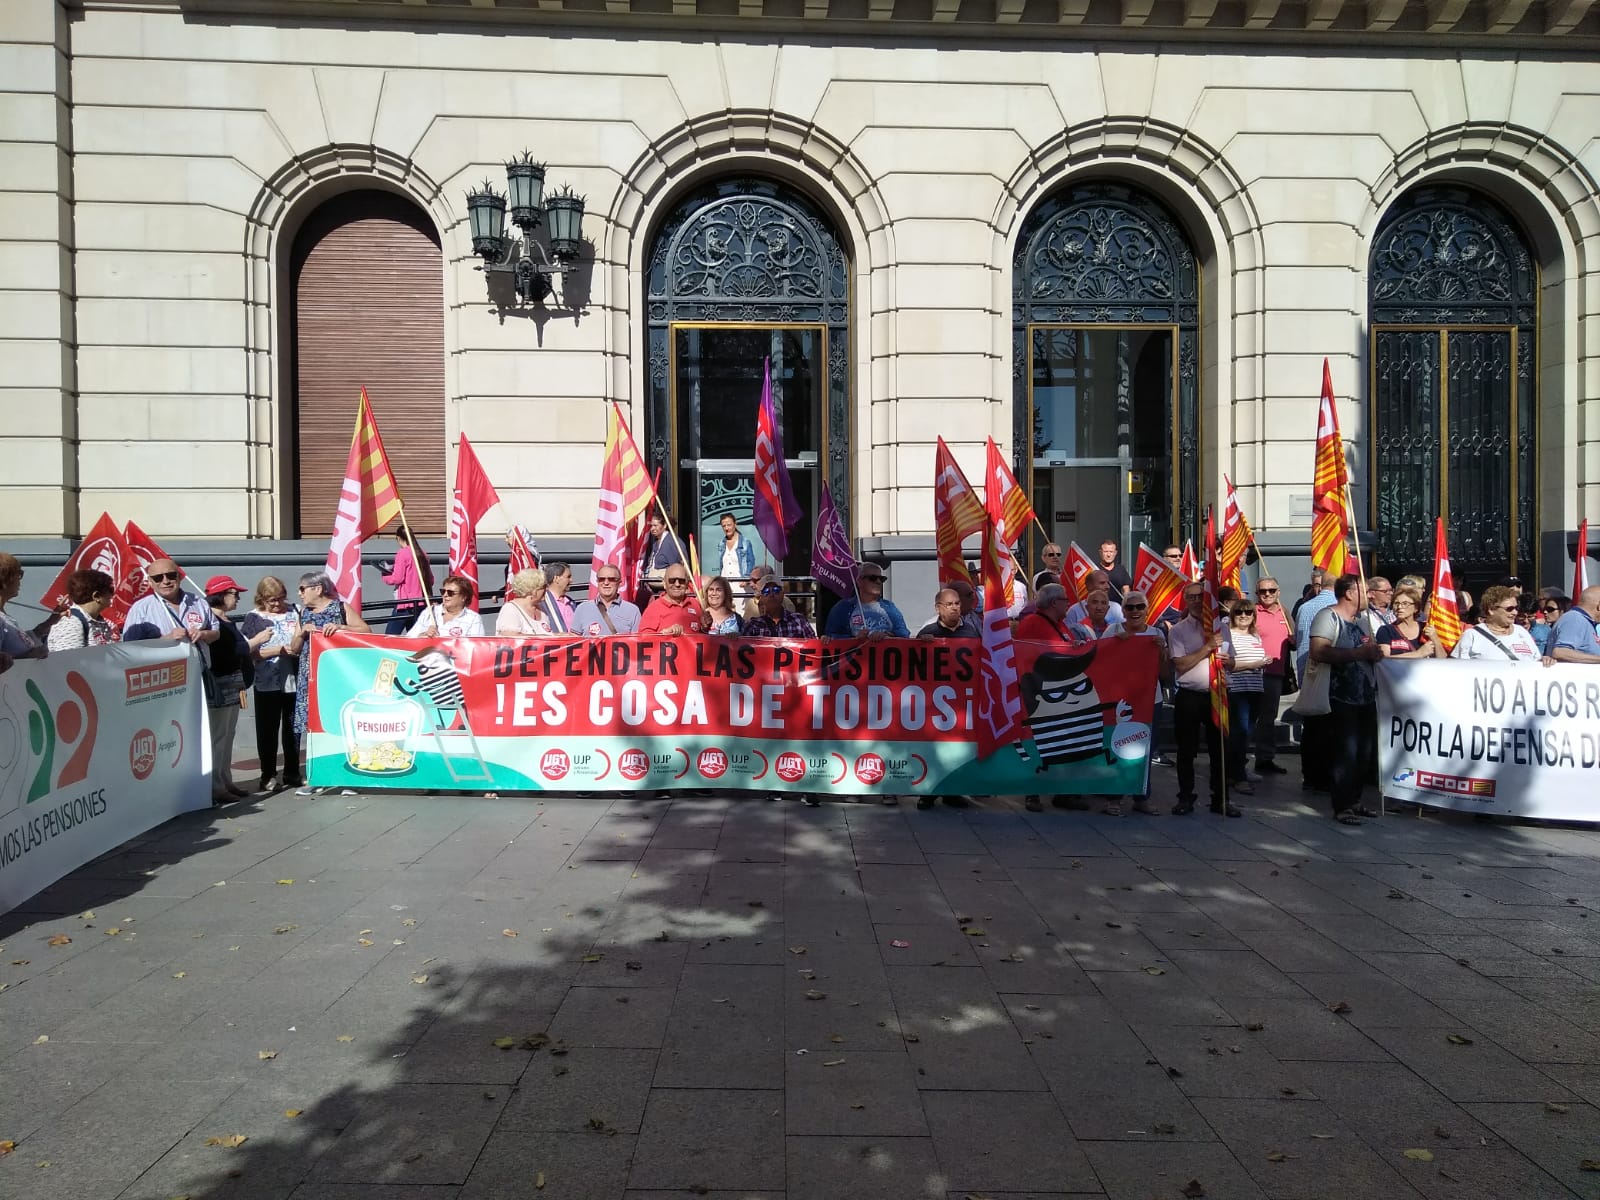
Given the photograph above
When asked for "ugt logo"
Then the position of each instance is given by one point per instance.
(63, 732)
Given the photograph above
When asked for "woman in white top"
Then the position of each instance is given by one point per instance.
(450, 618)
(523, 615)
(1497, 636)
(1245, 688)
(82, 625)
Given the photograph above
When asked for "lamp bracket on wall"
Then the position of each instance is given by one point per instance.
(531, 265)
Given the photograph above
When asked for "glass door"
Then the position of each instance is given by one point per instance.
(717, 381)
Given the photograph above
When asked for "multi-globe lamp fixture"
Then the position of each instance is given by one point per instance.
(561, 213)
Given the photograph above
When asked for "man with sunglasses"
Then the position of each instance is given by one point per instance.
(167, 611)
(1193, 643)
(604, 613)
(676, 611)
(1052, 556)
(867, 614)
(774, 619)
(1276, 632)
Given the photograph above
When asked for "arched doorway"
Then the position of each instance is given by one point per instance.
(1106, 368)
(367, 288)
(741, 271)
(1452, 304)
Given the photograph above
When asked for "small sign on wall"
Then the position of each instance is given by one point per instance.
(1064, 515)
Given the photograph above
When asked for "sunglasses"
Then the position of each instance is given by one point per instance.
(610, 579)
(304, 587)
(771, 589)
(163, 576)
(1266, 591)
(1133, 608)
(1511, 608)
(1550, 608)
(679, 582)
(452, 592)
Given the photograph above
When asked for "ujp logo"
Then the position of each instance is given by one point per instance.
(712, 764)
(790, 767)
(555, 764)
(142, 754)
(633, 765)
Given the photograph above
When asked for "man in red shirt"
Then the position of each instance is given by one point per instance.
(675, 612)
(1048, 620)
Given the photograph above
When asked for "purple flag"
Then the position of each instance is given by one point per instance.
(776, 509)
(831, 560)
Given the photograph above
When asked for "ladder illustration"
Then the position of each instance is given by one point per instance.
(458, 748)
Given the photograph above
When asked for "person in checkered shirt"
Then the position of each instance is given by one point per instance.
(774, 620)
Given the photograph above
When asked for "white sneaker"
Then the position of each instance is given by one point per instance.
(1251, 775)
(308, 790)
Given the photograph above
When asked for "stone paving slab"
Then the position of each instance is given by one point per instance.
(703, 996)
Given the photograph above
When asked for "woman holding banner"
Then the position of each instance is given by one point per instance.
(89, 593)
(523, 615)
(1406, 636)
(320, 611)
(1498, 635)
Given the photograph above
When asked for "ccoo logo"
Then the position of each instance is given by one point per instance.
(790, 767)
(712, 764)
(870, 768)
(633, 765)
(554, 764)
(142, 754)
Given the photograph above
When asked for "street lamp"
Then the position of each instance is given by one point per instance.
(522, 257)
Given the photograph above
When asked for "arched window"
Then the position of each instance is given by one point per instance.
(743, 271)
(367, 281)
(1106, 368)
(1452, 306)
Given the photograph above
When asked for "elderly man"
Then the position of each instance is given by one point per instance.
(1048, 621)
(775, 619)
(1277, 638)
(1095, 581)
(1316, 768)
(1193, 644)
(948, 620)
(1136, 623)
(1378, 613)
(1338, 641)
(604, 614)
(1052, 556)
(675, 612)
(1576, 636)
(867, 614)
(170, 612)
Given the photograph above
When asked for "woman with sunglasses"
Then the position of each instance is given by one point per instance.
(1245, 690)
(270, 627)
(451, 617)
(1497, 636)
(1406, 636)
(320, 611)
(1550, 607)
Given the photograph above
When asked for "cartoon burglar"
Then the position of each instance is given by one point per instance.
(1066, 714)
(439, 678)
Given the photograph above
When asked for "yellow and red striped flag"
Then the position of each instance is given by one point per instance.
(1444, 614)
(1004, 500)
(1330, 521)
(1208, 618)
(626, 493)
(368, 501)
(1236, 536)
(957, 513)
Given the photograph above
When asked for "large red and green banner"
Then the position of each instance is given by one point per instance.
(654, 714)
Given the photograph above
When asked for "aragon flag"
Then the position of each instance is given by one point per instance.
(625, 494)
(1330, 520)
(957, 514)
(1236, 535)
(1444, 614)
(368, 501)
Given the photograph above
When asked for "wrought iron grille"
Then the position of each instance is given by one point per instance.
(1110, 255)
(749, 250)
(1453, 306)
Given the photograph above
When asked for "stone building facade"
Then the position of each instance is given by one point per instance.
(1118, 238)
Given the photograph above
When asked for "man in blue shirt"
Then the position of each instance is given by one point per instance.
(603, 614)
(1576, 636)
(1316, 767)
(870, 616)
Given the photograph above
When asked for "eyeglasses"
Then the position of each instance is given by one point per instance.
(304, 587)
(1266, 591)
(609, 579)
(1053, 554)
(870, 578)
(1133, 608)
(772, 589)
(1511, 608)
(1550, 608)
(163, 576)
(452, 592)
(679, 582)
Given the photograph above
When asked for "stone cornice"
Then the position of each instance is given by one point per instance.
(1566, 27)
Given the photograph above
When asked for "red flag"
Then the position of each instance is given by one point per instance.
(1004, 500)
(626, 494)
(368, 501)
(999, 690)
(1154, 576)
(1444, 614)
(471, 501)
(1236, 536)
(1330, 520)
(957, 514)
(105, 548)
(1188, 563)
(523, 558)
(1580, 566)
(1075, 570)
(134, 584)
(1208, 618)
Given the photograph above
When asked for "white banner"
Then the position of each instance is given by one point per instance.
(1516, 739)
(96, 746)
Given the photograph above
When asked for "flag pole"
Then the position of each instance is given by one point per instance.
(683, 555)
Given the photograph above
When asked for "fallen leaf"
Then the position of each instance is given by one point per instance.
(1165, 1128)
(837, 1038)
(1339, 1006)
(1419, 1155)
(285, 882)
(900, 944)
(1323, 1137)
(911, 1037)
(1193, 1190)
(345, 1037)
(813, 994)
(808, 974)
(719, 999)
(410, 921)
(180, 974)
(976, 931)
(6, 1148)
(1255, 1026)
(42, 1165)
(364, 942)
(365, 933)
(538, 1180)
(419, 979)
(41, 1039)
(264, 1055)
(508, 933)
(858, 1106)
(19, 962)
(504, 1043)
(285, 928)
(834, 1062)
(1154, 971)
(113, 930)
(591, 958)
(1455, 1039)
(1588, 1164)
(1276, 1156)
(1550, 1106)
(60, 939)
(291, 1113)
(797, 949)
(399, 941)
(232, 1142)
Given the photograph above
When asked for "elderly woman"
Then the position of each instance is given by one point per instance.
(269, 628)
(320, 611)
(452, 617)
(524, 615)
(14, 640)
(89, 593)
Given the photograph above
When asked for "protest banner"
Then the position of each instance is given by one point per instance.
(1508, 738)
(651, 714)
(96, 746)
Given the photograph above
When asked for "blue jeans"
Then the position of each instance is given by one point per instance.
(1243, 708)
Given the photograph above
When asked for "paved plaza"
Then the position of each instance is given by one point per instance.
(403, 997)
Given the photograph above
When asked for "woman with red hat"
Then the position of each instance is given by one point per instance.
(232, 672)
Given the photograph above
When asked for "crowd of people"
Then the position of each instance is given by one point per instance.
(1341, 626)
